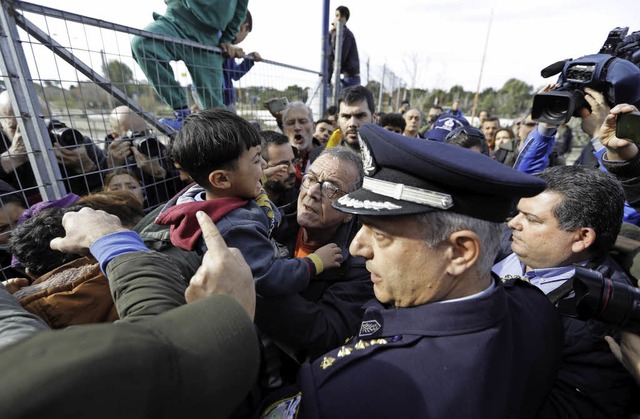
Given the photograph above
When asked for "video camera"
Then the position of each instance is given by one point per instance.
(60, 133)
(146, 143)
(614, 71)
(600, 298)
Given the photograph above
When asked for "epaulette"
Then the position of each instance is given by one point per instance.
(334, 361)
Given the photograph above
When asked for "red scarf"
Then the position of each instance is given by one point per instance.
(185, 230)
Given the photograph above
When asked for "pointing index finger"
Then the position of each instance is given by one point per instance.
(210, 233)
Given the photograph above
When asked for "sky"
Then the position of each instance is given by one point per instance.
(428, 43)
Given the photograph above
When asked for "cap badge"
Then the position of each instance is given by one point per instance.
(367, 159)
(449, 123)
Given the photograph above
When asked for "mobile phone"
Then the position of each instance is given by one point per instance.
(628, 127)
(278, 105)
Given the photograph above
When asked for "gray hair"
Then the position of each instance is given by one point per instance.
(296, 105)
(344, 155)
(439, 225)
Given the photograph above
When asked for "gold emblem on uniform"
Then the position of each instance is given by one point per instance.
(378, 341)
(344, 351)
(361, 345)
(327, 361)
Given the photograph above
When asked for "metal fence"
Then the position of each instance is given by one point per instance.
(57, 65)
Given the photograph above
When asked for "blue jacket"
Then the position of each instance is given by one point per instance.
(249, 229)
(494, 356)
(534, 156)
(233, 71)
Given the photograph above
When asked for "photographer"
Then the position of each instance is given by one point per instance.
(79, 165)
(128, 130)
(537, 144)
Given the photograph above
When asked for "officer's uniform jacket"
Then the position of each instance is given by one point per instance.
(494, 356)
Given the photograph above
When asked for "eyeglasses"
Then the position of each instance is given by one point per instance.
(328, 189)
(531, 124)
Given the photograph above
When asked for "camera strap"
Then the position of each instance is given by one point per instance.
(561, 292)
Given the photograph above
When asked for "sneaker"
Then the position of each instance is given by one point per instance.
(176, 123)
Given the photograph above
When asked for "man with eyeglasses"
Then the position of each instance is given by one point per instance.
(329, 311)
(434, 343)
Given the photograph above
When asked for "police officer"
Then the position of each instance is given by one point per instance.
(444, 338)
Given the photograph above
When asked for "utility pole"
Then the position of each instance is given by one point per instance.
(484, 55)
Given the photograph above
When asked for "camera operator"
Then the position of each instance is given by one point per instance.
(159, 180)
(537, 144)
(79, 165)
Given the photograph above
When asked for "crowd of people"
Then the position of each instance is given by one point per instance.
(359, 264)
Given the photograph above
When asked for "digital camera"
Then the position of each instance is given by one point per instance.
(600, 298)
(63, 135)
(146, 143)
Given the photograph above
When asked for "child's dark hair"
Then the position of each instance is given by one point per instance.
(209, 140)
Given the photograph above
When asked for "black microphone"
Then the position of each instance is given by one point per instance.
(554, 68)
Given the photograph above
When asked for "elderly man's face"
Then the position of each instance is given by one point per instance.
(538, 240)
(413, 119)
(299, 128)
(314, 209)
(351, 117)
(405, 272)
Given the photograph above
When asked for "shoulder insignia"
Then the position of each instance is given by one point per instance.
(344, 351)
(283, 409)
(361, 344)
(327, 361)
(369, 327)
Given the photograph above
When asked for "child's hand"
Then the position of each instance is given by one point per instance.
(331, 256)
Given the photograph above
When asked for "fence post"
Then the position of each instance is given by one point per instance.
(337, 61)
(26, 106)
(384, 71)
(325, 58)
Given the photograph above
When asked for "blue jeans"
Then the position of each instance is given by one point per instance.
(350, 81)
